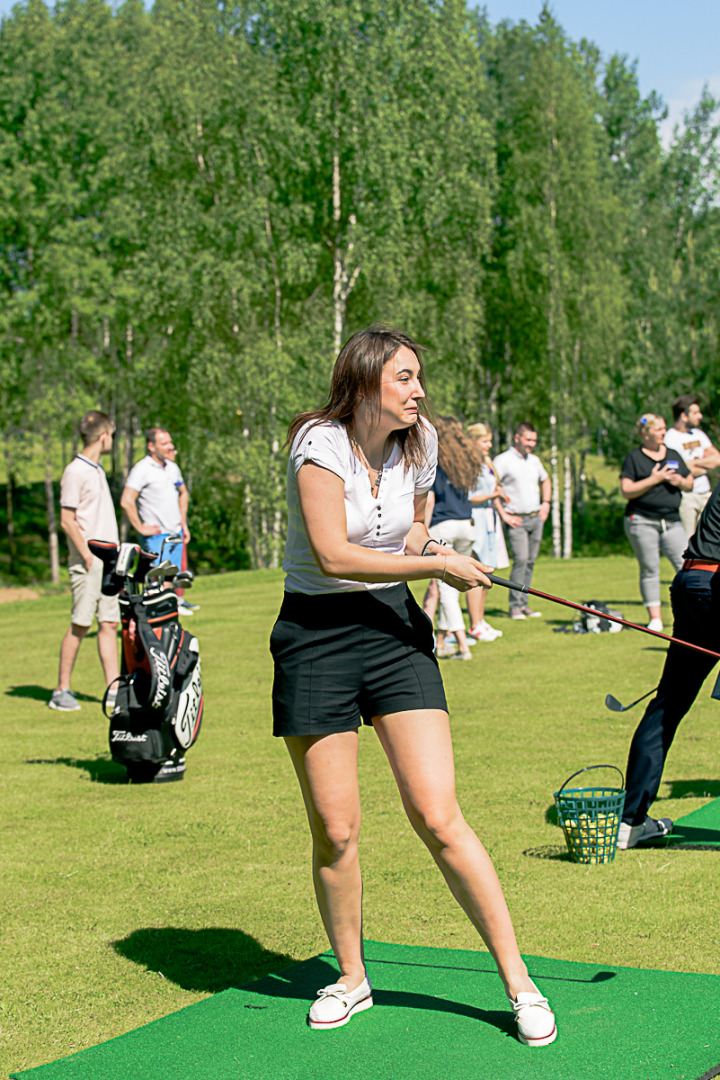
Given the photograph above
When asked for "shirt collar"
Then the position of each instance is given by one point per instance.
(95, 465)
(155, 464)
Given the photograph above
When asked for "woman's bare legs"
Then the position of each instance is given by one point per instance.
(419, 749)
(326, 766)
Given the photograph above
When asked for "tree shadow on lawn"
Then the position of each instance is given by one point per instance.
(42, 693)
(100, 770)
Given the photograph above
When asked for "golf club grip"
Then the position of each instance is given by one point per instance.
(592, 611)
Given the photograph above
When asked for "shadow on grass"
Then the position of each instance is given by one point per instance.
(688, 836)
(100, 770)
(692, 789)
(42, 693)
(552, 852)
(208, 960)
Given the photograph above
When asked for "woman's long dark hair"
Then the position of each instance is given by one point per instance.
(357, 377)
(458, 456)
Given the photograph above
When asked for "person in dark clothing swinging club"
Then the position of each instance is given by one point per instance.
(695, 598)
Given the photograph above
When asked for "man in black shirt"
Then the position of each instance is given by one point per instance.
(695, 597)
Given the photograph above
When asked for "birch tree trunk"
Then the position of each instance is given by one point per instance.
(567, 508)
(50, 510)
(129, 428)
(343, 280)
(9, 506)
(555, 512)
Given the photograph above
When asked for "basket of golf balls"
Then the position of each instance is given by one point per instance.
(590, 818)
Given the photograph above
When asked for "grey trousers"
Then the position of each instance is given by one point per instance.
(524, 543)
(648, 538)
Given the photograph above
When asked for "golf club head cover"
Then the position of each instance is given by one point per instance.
(107, 552)
(127, 557)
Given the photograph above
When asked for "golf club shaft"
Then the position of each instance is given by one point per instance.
(593, 611)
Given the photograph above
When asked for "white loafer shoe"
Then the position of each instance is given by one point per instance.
(335, 1005)
(535, 1019)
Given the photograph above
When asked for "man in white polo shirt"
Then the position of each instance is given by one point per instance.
(155, 498)
(698, 453)
(87, 513)
(524, 480)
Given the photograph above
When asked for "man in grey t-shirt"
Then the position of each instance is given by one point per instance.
(524, 480)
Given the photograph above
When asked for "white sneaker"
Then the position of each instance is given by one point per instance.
(482, 632)
(656, 624)
(335, 1005)
(492, 629)
(517, 613)
(651, 829)
(185, 609)
(535, 1019)
(530, 613)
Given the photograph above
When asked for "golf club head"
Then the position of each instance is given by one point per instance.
(614, 705)
(161, 570)
(174, 538)
(184, 580)
(145, 561)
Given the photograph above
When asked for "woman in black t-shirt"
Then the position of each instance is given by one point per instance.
(652, 480)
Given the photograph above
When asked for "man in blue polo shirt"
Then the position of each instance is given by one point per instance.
(156, 499)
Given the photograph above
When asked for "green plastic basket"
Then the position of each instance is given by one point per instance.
(590, 818)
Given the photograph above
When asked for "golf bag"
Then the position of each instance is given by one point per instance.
(595, 624)
(159, 705)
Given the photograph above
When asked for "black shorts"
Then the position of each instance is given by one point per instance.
(340, 657)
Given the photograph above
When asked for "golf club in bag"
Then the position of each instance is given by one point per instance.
(159, 705)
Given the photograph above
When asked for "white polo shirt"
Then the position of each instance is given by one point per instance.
(691, 446)
(84, 489)
(158, 487)
(521, 478)
(381, 523)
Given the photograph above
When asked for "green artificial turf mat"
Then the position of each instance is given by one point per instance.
(439, 1014)
(699, 829)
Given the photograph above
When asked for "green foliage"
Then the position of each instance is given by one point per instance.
(198, 203)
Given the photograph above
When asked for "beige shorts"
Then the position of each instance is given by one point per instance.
(87, 599)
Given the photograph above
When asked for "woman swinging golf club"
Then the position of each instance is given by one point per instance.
(351, 645)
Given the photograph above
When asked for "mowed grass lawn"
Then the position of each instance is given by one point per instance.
(121, 904)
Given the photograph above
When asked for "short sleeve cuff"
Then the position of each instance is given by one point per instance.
(321, 445)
